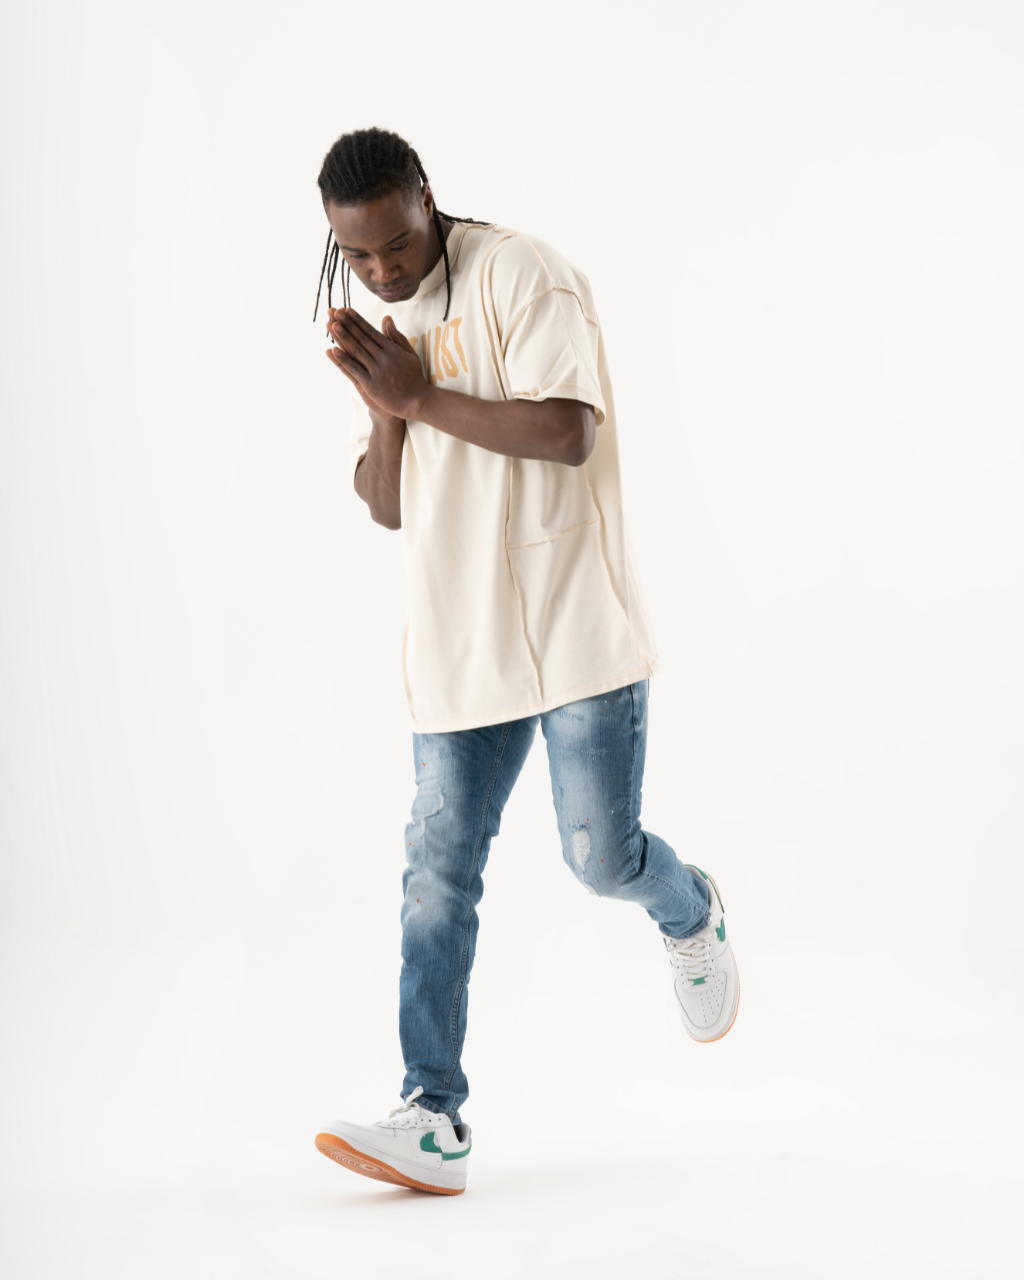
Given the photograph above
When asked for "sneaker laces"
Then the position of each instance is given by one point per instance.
(691, 957)
(409, 1113)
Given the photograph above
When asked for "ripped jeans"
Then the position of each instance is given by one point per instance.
(596, 750)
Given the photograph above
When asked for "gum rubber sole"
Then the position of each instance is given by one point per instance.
(370, 1167)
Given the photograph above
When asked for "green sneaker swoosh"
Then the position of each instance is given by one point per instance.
(429, 1143)
(720, 930)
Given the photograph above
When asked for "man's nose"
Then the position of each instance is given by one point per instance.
(380, 273)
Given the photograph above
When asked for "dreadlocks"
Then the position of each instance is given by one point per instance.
(364, 166)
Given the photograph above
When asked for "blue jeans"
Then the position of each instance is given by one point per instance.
(596, 750)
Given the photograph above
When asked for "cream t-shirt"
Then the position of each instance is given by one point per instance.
(522, 591)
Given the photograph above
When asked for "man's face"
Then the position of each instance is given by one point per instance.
(390, 243)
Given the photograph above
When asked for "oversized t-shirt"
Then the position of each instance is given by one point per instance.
(522, 590)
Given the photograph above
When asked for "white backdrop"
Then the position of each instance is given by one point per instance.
(804, 224)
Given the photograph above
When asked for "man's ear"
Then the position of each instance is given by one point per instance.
(427, 196)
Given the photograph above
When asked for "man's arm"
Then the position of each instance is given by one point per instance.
(387, 373)
(550, 430)
(378, 479)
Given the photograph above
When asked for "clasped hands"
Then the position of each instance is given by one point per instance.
(382, 366)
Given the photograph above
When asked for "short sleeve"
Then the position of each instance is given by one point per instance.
(551, 350)
(359, 435)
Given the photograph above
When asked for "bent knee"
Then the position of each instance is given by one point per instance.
(605, 866)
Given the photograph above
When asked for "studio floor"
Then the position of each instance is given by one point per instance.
(846, 1192)
(823, 1137)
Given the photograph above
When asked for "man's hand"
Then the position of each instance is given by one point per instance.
(382, 366)
(385, 370)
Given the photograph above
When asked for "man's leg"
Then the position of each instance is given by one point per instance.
(463, 781)
(596, 751)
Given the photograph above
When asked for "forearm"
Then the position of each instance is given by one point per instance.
(553, 430)
(387, 372)
(378, 478)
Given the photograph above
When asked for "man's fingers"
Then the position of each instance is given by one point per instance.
(345, 359)
(355, 343)
(352, 369)
(358, 340)
(337, 358)
(355, 323)
(392, 331)
(352, 348)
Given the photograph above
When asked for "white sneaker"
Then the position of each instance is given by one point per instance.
(707, 980)
(414, 1147)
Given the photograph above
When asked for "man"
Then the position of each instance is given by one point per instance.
(485, 430)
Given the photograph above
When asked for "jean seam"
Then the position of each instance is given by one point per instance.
(464, 963)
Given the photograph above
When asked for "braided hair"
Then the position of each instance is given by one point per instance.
(364, 166)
